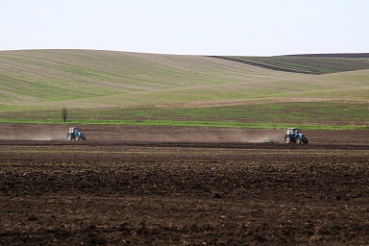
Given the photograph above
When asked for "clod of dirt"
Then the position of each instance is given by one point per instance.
(218, 196)
(32, 218)
(97, 241)
(92, 227)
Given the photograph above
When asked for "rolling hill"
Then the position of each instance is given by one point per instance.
(107, 85)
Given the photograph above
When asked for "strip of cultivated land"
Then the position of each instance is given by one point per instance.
(308, 64)
(118, 87)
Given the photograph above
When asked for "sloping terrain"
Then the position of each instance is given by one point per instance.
(90, 77)
(308, 64)
(37, 84)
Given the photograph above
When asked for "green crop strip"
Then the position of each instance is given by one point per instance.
(321, 115)
(193, 124)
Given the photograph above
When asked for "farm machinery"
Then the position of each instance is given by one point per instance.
(75, 134)
(294, 135)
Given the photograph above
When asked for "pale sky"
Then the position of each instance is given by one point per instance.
(188, 27)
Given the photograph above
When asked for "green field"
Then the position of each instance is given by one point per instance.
(105, 87)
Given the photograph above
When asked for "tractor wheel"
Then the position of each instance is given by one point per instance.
(305, 140)
(298, 141)
(288, 140)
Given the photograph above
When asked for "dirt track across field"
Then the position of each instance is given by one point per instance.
(182, 186)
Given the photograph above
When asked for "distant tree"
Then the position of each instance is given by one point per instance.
(64, 113)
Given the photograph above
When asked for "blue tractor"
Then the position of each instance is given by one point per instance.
(294, 135)
(75, 134)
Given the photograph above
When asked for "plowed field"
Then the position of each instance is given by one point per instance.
(182, 186)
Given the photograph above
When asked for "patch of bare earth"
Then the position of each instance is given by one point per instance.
(172, 191)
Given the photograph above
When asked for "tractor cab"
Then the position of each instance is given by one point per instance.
(292, 131)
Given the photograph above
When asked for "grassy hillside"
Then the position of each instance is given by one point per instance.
(103, 86)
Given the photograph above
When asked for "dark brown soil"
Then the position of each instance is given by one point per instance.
(147, 190)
